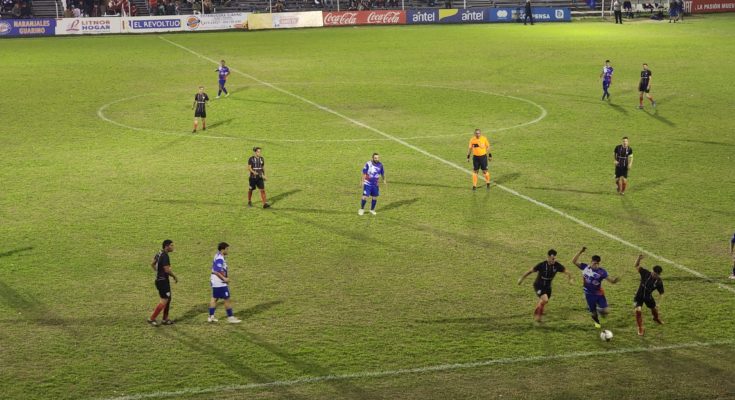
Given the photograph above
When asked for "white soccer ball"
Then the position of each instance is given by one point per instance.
(606, 335)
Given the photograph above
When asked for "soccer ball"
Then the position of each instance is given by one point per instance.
(606, 335)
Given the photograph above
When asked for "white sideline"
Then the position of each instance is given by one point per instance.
(407, 371)
(458, 167)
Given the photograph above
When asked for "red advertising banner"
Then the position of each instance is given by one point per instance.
(712, 6)
(377, 17)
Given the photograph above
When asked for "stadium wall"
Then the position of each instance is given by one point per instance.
(230, 21)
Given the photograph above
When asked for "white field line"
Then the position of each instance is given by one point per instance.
(407, 371)
(460, 168)
(101, 115)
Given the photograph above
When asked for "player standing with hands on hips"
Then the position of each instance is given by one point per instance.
(256, 167)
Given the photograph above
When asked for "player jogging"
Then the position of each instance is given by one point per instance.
(542, 285)
(623, 158)
(479, 149)
(162, 266)
(371, 174)
(644, 86)
(650, 281)
(592, 276)
(256, 167)
(606, 76)
(200, 107)
(732, 255)
(220, 285)
(223, 73)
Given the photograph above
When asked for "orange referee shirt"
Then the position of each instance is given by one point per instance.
(480, 147)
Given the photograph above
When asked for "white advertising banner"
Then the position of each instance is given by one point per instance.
(88, 26)
(210, 22)
(163, 23)
(308, 19)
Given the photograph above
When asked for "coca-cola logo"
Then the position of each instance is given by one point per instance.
(347, 18)
(390, 17)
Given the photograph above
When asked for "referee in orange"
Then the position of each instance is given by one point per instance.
(480, 151)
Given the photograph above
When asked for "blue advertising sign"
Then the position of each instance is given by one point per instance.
(27, 27)
(427, 16)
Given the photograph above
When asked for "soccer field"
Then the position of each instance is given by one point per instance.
(418, 302)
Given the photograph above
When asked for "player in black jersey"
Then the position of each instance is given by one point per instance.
(200, 109)
(623, 157)
(256, 167)
(162, 266)
(542, 285)
(650, 282)
(644, 86)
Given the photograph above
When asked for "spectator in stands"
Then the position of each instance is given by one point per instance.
(8, 5)
(628, 7)
(196, 7)
(15, 11)
(170, 7)
(102, 8)
(528, 13)
(279, 6)
(76, 11)
(177, 7)
(617, 9)
(68, 13)
(207, 7)
(25, 10)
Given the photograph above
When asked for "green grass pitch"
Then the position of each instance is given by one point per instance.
(99, 166)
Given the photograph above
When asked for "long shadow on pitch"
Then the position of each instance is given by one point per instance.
(219, 123)
(283, 195)
(664, 120)
(33, 310)
(310, 210)
(560, 189)
(257, 309)
(195, 202)
(708, 142)
(347, 388)
(398, 204)
(503, 179)
(16, 251)
(425, 184)
(618, 108)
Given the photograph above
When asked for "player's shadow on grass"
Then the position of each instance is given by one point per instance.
(220, 123)
(708, 142)
(503, 179)
(310, 210)
(195, 202)
(398, 204)
(309, 368)
(425, 184)
(661, 119)
(279, 103)
(560, 189)
(32, 310)
(505, 323)
(282, 196)
(16, 251)
(618, 108)
(257, 309)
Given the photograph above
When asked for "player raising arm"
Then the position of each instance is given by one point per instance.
(593, 275)
(650, 281)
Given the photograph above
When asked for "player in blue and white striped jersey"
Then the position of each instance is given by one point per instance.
(220, 284)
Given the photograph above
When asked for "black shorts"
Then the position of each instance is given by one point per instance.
(621, 172)
(200, 114)
(257, 181)
(479, 162)
(542, 288)
(164, 289)
(643, 88)
(649, 301)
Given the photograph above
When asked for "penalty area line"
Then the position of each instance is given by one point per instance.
(460, 168)
(410, 371)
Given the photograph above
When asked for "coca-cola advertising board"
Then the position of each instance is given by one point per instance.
(712, 6)
(377, 17)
